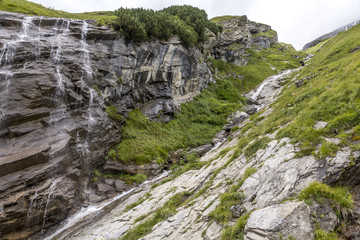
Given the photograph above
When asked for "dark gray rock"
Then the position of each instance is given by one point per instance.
(109, 181)
(299, 83)
(104, 188)
(201, 150)
(235, 119)
(150, 170)
(250, 109)
(94, 198)
(120, 185)
(220, 136)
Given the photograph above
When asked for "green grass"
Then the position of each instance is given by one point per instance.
(221, 19)
(161, 214)
(199, 120)
(237, 230)
(222, 213)
(322, 235)
(318, 191)
(269, 34)
(255, 146)
(330, 93)
(316, 48)
(30, 8)
(113, 113)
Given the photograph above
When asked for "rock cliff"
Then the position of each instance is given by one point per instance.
(239, 35)
(57, 76)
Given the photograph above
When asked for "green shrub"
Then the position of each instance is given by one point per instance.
(186, 22)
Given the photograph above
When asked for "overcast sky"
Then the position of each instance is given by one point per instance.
(297, 22)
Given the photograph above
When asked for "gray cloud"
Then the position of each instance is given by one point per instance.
(297, 22)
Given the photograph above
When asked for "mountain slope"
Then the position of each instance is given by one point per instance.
(330, 35)
(264, 181)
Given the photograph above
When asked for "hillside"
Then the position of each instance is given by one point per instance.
(268, 180)
(330, 35)
(30, 8)
(200, 129)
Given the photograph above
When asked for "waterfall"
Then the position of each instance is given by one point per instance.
(7, 56)
(56, 55)
(86, 56)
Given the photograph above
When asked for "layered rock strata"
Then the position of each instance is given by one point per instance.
(57, 77)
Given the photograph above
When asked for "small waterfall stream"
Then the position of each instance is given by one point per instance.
(7, 55)
(90, 212)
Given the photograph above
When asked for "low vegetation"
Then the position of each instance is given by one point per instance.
(336, 195)
(197, 123)
(237, 230)
(329, 91)
(113, 113)
(322, 235)
(30, 8)
(222, 213)
(166, 211)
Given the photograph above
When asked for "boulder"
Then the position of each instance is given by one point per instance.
(120, 185)
(320, 125)
(250, 109)
(104, 188)
(290, 219)
(220, 136)
(235, 119)
(201, 150)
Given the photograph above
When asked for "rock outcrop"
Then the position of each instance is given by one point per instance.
(238, 36)
(57, 77)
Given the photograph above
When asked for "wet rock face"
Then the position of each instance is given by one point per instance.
(56, 78)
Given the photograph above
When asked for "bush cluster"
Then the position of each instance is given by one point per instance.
(187, 22)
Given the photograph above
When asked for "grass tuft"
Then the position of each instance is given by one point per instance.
(337, 195)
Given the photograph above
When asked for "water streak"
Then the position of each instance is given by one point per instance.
(86, 56)
(85, 212)
(51, 190)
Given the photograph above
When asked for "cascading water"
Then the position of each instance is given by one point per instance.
(83, 145)
(7, 55)
(85, 213)
(56, 54)
(50, 195)
(86, 57)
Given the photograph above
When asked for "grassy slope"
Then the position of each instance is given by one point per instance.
(27, 7)
(200, 119)
(331, 93)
